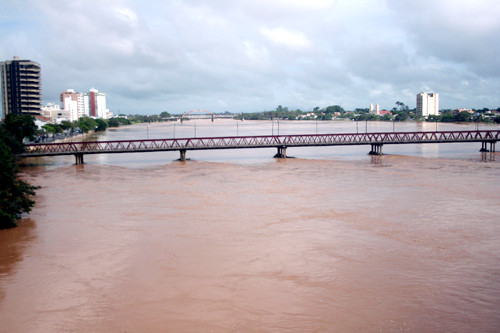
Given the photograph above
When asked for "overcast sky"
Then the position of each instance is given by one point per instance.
(150, 56)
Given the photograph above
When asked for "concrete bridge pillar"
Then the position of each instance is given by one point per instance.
(492, 146)
(376, 149)
(78, 159)
(183, 155)
(281, 152)
(484, 146)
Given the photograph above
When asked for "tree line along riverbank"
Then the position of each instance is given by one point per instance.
(16, 195)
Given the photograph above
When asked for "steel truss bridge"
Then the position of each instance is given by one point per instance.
(281, 142)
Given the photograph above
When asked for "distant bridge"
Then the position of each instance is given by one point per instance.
(281, 142)
(206, 115)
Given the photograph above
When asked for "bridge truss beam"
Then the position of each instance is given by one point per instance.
(281, 142)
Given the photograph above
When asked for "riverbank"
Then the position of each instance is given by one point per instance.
(75, 138)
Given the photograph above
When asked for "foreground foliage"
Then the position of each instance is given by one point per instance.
(15, 194)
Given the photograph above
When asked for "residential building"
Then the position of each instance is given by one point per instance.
(72, 102)
(428, 104)
(54, 113)
(40, 121)
(21, 87)
(95, 104)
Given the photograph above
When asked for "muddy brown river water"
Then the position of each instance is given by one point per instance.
(333, 240)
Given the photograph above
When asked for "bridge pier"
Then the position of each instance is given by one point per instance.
(484, 146)
(376, 149)
(182, 158)
(281, 152)
(78, 159)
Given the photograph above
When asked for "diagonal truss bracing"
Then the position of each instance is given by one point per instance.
(234, 142)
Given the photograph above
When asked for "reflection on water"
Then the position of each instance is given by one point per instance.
(488, 156)
(332, 240)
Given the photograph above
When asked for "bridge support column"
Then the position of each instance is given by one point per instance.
(484, 146)
(376, 149)
(78, 159)
(281, 152)
(182, 158)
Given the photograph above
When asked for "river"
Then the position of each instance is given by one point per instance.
(333, 240)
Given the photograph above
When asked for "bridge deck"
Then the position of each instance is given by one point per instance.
(269, 141)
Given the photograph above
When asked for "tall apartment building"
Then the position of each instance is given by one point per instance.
(95, 104)
(21, 87)
(91, 104)
(427, 104)
(72, 102)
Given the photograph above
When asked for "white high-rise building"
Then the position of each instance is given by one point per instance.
(91, 104)
(428, 104)
(95, 104)
(72, 102)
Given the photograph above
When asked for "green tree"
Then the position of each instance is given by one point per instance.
(447, 117)
(124, 121)
(402, 106)
(52, 128)
(113, 122)
(401, 116)
(367, 116)
(87, 124)
(15, 194)
(434, 118)
(334, 109)
(101, 125)
(386, 117)
(462, 117)
(66, 124)
(20, 126)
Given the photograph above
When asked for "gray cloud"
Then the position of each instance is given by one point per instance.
(253, 55)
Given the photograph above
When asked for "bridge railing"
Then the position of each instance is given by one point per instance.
(121, 146)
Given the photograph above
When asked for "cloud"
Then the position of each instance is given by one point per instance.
(462, 32)
(285, 37)
(252, 55)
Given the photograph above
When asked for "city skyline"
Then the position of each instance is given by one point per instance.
(251, 56)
